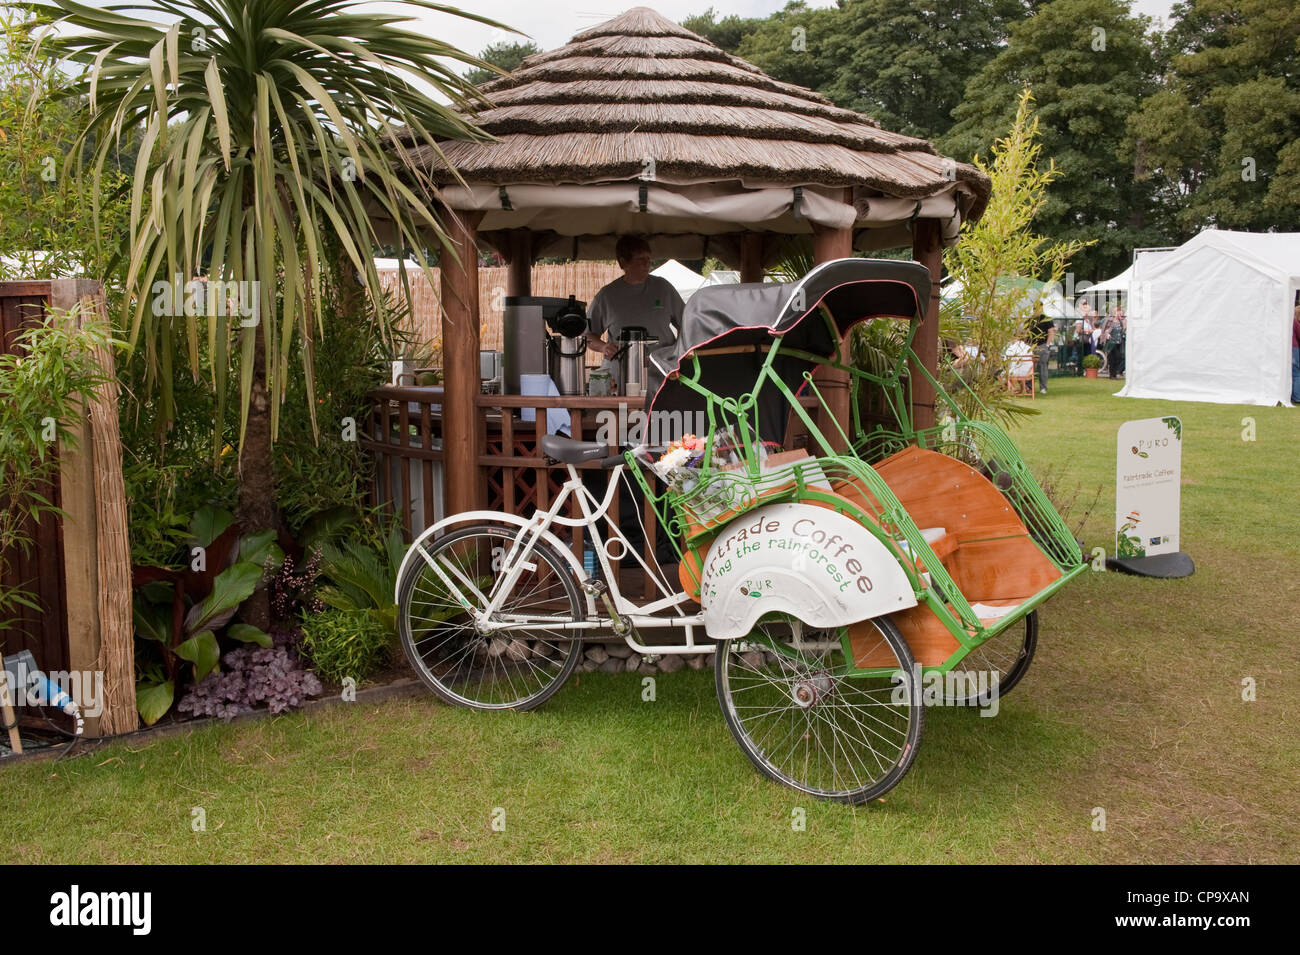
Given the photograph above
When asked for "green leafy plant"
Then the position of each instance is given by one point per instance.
(325, 470)
(48, 227)
(999, 263)
(363, 578)
(182, 612)
(1091, 361)
(345, 643)
(44, 384)
(267, 125)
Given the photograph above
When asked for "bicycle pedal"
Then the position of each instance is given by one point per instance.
(595, 587)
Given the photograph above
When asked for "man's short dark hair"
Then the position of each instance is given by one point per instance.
(630, 245)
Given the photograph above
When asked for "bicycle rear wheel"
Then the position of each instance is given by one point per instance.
(487, 666)
(1007, 656)
(803, 722)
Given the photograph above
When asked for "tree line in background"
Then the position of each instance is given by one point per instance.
(1156, 133)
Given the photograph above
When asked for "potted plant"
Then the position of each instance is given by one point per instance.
(1090, 365)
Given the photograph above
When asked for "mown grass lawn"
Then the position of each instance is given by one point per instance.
(1134, 705)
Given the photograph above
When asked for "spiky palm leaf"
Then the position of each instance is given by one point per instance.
(266, 125)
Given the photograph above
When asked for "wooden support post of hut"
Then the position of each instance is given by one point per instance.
(519, 258)
(830, 244)
(751, 257)
(460, 348)
(927, 249)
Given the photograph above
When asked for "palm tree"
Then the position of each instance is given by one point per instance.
(268, 126)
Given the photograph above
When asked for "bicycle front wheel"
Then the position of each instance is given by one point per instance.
(803, 721)
(514, 660)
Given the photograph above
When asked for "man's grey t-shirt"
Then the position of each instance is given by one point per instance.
(653, 305)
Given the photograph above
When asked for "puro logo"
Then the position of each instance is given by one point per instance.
(74, 908)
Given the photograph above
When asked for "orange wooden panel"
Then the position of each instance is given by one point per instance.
(939, 491)
(928, 638)
(859, 494)
(688, 575)
(1009, 568)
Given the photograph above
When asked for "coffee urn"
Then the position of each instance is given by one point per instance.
(525, 337)
(634, 354)
(567, 347)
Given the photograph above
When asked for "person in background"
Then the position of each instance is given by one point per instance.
(1040, 334)
(1083, 333)
(1295, 356)
(1111, 340)
(965, 360)
(637, 298)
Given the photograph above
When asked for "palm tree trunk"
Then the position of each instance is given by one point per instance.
(257, 475)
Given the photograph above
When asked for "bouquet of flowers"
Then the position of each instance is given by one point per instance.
(679, 454)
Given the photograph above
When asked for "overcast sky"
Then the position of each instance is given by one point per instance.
(550, 23)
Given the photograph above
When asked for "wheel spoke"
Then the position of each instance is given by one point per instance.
(1008, 655)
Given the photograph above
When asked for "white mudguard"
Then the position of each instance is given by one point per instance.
(811, 562)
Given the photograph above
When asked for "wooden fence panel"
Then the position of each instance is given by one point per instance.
(39, 571)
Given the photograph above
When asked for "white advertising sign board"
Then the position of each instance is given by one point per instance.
(1148, 472)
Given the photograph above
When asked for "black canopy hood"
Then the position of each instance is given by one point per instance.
(852, 290)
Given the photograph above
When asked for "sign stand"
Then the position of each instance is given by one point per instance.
(1148, 476)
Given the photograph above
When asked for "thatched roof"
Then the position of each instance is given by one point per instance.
(640, 98)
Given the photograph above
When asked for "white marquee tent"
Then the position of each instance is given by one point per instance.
(1111, 290)
(1053, 299)
(1212, 320)
(687, 281)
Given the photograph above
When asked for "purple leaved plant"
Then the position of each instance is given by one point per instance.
(253, 676)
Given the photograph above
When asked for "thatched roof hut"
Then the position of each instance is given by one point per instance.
(640, 125)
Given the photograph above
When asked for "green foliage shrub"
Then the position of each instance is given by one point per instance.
(346, 643)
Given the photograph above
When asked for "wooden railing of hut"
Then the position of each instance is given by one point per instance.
(405, 435)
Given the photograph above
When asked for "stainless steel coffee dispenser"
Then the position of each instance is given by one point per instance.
(567, 347)
(525, 337)
(635, 345)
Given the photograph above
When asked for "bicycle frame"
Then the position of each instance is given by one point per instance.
(514, 562)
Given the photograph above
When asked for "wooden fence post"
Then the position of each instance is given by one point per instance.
(96, 548)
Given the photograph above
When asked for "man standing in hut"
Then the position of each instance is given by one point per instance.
(635, 299)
